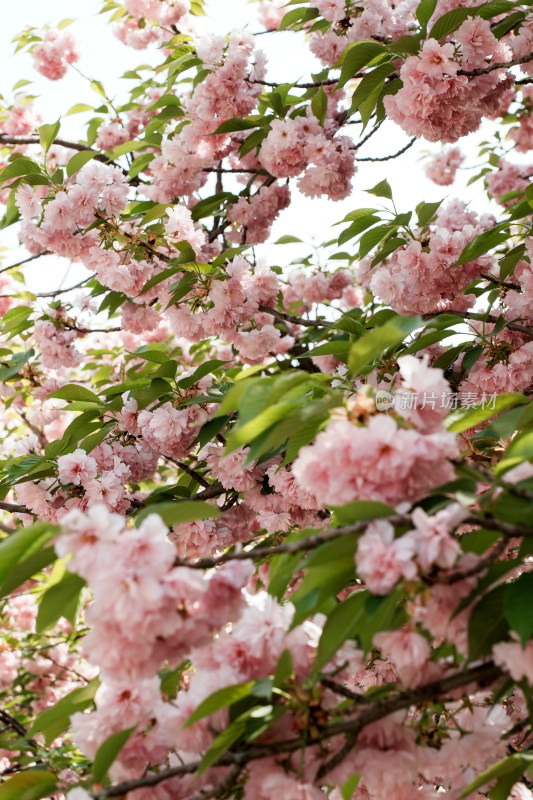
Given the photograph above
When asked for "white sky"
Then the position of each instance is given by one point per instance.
(105, 58)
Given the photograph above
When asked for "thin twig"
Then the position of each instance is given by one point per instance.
(286, 547)
(62, 142)
(26, 260)
(374, 130)
(497, 282)
(308, 323)
(473, 73)
(394, 155)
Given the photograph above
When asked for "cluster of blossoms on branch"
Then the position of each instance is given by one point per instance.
(264, 531)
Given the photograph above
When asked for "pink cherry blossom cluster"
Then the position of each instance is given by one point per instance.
(53, 223)
(383, 559)
(56, 345)
(271, 12)
(439, 103)
(57, 50)
(231, 311)
(506, 179)
(443, 166)
(155, 613)
(229, 90)
(151, 21)
(253, 217)
(295, 145)
(20, 119)
(350, 23)
(304, 288)
(391, 459)
(422, 276)
(137, 591)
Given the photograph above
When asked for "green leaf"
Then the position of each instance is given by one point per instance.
(466, 418)
(449, 22)
(74, 392)
(426, 212)
(156, 212)
(520, 449)
(288, 240)
(209, 205)
(200, 372)
(382, 613)
(381, 189)
(337, 347)
(60, 600)
(78, 161)
(357, 227)
(515, 764)
(23, 544)
(356, 56)
(488, 624)
(222, 698)
(26, 569)
(32, 784)
(425, 10)
(78, 108)
(298, 15)
(373, 237)
(485, 241)
(108, 752)
(56, 719)
(370, 347)
(284, 668)
(319, 105)
(366, 95)
(361, 510)
(236, 124)
(47, 135)
(179, 512)
(20, 166)
(518, 608)
(342, 624)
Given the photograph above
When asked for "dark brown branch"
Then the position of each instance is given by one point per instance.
(218, 171)
(16, 726)
(308, 323)
(26, 260)
(189, 471)
(481, 317)
(89, 330)
(497, 282)
(393, 155)
(339, 688)
(473, 73)
(43, 441)
(481, 675)
(511, 530)
(13, 508)
(64, 291)
(286, 547)
(374, 130)
(62, 142)
(309, 85)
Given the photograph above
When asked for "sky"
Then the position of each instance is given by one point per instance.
(105, 58)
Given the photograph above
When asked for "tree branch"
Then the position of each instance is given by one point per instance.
(26, 260)
(286, 547)
(4, 139)
(15, 509)
(481, 675)
(394, 155)
(474, 73)
(307, 323)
